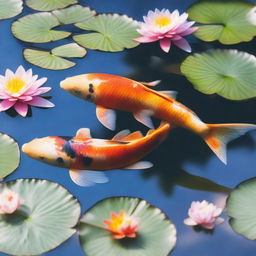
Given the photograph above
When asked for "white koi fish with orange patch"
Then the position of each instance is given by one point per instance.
(112, 92)
(82, 152)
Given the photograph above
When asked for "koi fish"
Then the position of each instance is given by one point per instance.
(110, 92)
(84, 155)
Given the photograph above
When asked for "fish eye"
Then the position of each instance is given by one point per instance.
(76, 92)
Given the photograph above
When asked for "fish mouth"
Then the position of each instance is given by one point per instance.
(24, 148)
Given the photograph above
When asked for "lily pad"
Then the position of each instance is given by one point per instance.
(227, 22)
(45, 219)
(113, 33)
(71, 50)
(241, 209)
(74, 14)
(156, 234)
(10, 8)
(46, 59)
(37, 28)
(229, 73)
(49, 5)
(9, 155)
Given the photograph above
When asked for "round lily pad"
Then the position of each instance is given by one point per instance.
(229, 73)
(45, 219)
(46, 59)
(156, 234)
(10, 8)
(241, 209)
(74, 14)
(49, 5)
(37, 28)
(113, 33)
(9, 155)
(71, 50)
(227, 22)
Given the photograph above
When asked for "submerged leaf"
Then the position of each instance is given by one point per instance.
(156, 234)
(229, 73)
(45, 219)
(227, 22)
(74, 14)
(113, 33)
(9, 155)
(37, 28)
(45, 59)
(241, 209)
(49, 5)
(10, 8)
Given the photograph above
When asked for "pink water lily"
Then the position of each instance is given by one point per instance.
(9, 201)
(21, 89)
(204, 214)
(167, 28)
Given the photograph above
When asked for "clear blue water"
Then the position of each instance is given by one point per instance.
(181, 152)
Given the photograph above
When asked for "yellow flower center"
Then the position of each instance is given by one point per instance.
(163, 21)
(14, 85)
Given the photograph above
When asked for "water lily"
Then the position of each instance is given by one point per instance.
(167, 28)
(9, 201)
(204, 214)
(21, 89)
(121, 225)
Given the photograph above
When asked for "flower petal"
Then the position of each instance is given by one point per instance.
(183, 44)
(165, 44)
(6, 104)
(190, 222)
(21, 108)
(41, 102)
(41, 91)
(145, 39)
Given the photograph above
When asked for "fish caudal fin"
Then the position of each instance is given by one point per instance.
(220, 134)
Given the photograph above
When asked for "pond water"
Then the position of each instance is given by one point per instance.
(177, 162)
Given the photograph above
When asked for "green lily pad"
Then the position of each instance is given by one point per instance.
(71, 50)
(45, 219)
(229, 73)
(49, 5)
(46, 59)
(74, 14)
(10, 8)
(227, 22)
(113, 33)
(156, 234)
(9, 155)
(241, 209)
(37, 28)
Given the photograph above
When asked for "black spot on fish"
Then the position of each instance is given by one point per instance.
(77, 92)
(91, 85)
(91, 90)
(87, 160)
(66, 137)
(41, 158)
(67, 148)
(60, 160)
(89, 96)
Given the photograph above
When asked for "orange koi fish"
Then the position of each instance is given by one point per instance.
(112, 92)
(82, 152)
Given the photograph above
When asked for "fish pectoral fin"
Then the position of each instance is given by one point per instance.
(144, 117)
(139, 165)
(153, 83)
(133, 136)
(83, 133)
(170, 94)
(122, 134)
(86, 178)
(107, 117)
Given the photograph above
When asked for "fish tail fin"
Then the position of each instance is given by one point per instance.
(219, 135)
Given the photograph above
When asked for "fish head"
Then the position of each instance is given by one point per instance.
(46, 150)
(82, 86)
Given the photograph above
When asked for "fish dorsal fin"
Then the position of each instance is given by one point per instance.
(86, 178)
(107, 117)
(144, 117)
(139, 165)
(121, 135)
(170, 94)
(153, 83)
(133, 136)
(83, 133)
